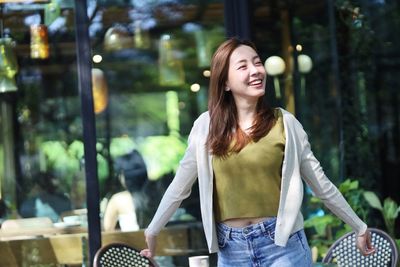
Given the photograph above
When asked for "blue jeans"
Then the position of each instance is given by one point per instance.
(253, 246)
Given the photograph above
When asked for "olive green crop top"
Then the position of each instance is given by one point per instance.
(247, 184)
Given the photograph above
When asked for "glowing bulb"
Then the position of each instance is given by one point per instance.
(206, 73)
(99, 90)
(274, 65)
(305, 63)
(97, 58)
(195, 87)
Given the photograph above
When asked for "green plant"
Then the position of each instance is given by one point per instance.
(64, 159)
(162, 154)
(327, 227)
(390, 211)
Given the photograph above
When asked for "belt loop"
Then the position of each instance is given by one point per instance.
(228, 233)
(263, 229)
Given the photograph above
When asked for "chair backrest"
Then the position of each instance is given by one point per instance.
(345, 253)
(120, 255)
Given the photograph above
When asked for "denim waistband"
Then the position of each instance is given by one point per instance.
(265, 226)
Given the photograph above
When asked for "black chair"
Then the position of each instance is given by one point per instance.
(345, 253)
(120, 255)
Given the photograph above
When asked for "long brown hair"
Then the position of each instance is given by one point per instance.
(224, 125)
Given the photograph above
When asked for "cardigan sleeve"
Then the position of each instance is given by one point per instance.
(179, 189)
(313, 174)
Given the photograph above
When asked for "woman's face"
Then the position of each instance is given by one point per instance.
(246, 74)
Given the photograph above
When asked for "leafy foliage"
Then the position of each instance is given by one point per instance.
(65, 160)
(162, 154)
(390, 211)
(328, 227)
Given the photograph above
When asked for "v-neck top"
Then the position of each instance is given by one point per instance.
(247, 183)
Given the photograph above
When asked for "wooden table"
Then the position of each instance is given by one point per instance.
(27, 233)
(50, 247)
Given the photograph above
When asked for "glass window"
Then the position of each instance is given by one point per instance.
(154, 58)
(43, 114)
(150, 74)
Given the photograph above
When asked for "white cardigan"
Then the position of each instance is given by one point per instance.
(299, 162)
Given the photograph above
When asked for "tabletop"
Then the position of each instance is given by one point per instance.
(66, 245)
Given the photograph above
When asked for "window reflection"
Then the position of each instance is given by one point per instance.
(140, 114)
(151, 100)
(41, 127)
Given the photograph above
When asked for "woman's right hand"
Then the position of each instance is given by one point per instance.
(151, 241)
(364, 243)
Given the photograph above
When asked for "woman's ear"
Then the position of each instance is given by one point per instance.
(227, 87)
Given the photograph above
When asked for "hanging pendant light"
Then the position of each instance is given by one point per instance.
(7, 84)
(8, 65)
(100, 90)
(39, 42)
(117, 38)
(169, 63)
(142, 36)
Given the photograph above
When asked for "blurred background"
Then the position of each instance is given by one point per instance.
(334, 64)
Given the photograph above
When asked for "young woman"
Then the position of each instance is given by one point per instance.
(250, 160)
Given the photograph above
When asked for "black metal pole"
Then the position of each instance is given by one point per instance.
(229, 19)
(243, 13)
(337, 84)
(296, 73)
(237, 19)
(89, 128)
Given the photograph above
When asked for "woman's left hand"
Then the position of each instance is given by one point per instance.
(364, 243)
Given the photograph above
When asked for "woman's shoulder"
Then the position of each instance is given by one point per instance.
(289, 118)
(203, 116)
(285, 114)
(202, 120)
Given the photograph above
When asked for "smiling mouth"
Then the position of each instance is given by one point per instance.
(256, 82)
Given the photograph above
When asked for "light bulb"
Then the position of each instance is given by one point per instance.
(305, 63)
(274, 65)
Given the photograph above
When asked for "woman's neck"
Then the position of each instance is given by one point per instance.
(246, 118)
(246, 112)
